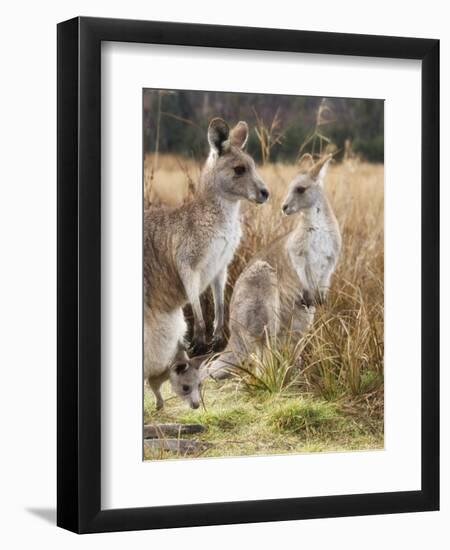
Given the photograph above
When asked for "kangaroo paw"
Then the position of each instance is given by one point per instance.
(307, 298)
(218, 342)
(198, 347)
(321, 297)
(159, 405)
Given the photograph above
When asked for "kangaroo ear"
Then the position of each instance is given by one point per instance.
(179, 367)
(181, 356)
(218, 134)
(198, 361)
(305, 162)
(239, 134)
(319, 169)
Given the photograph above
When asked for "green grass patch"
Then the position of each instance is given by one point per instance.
(303, 415)
(240, 424)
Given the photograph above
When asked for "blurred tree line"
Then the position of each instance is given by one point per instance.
(176, 122)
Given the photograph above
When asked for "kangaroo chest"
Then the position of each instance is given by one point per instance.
(312, 254)
(223, 243)
(320, 251)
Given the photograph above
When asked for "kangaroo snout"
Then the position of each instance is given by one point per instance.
(285, 209)
(262, 195)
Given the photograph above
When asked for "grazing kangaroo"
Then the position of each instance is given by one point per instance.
(183, 374)
(281, 285)
(189, 248)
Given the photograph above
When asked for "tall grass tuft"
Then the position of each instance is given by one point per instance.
(268, 135)
(275, 371)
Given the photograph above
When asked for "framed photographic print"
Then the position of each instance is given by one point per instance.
(248, 288)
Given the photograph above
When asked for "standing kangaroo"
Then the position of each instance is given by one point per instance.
(281, 285)
(189, 248)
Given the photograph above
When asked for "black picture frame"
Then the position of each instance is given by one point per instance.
(79, 281)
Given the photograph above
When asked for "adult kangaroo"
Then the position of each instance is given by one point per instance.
(279, 288)
(189, 248)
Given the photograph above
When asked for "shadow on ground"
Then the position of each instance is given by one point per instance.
(46, 514)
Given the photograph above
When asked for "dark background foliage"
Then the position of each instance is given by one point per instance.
(184, 116)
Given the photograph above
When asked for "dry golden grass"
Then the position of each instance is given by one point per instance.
(342, 357)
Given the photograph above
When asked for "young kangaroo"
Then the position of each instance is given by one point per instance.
(189, 248)
(281, 285)
(183, 374)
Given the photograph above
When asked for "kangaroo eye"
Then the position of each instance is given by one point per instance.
(186, 388)
(239, 170)
(301, 189)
